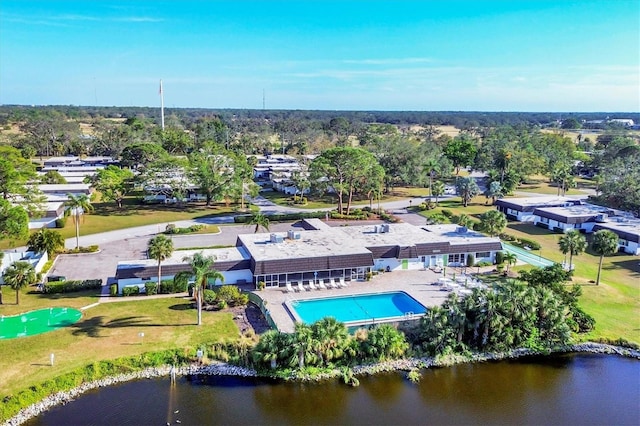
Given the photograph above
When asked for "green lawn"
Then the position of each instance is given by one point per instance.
(106, 217)
(107, 331)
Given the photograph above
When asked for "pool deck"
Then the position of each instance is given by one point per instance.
(418, 284)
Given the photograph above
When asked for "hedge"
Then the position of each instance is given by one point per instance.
(172, 229)
(71, 286)
(285, 217)
(131, 291)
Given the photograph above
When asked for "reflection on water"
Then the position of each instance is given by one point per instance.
(567, 389)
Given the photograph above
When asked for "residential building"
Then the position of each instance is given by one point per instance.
(313, 250)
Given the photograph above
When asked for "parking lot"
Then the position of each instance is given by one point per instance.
(103, 264)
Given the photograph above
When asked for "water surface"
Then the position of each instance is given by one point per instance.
(579, 389)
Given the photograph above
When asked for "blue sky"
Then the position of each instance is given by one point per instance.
(540, 55)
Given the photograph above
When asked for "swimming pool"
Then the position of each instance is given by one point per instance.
(37, 322)
(362, 308)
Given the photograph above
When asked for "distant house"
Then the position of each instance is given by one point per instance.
(521, 209)
(582, 217)
(627, 229)
(37, 260)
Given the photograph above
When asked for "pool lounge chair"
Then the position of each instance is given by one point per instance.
(321, 285)
(343, 283)
(289, 288)
(301, 287)
(329, 283)
(337, 283)
(310, 284)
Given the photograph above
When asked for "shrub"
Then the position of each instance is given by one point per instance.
(447, 213)
(507, 237)
(286, 217)
(71, 286)
(131, 291)
(62, 222)
(483, 264)
(209, 296)
(499, 258)
(151, 288)
(170, 229)
(471, 260)
(113, 289)
(523, 242)
(231, 295)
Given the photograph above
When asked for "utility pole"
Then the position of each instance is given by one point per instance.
(161, 106)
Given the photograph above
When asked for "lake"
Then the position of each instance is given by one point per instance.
(578, 389)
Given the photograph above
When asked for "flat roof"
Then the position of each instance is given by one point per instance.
(225, 254)
(628, 228)
(535, 201)
(580, 210)
(326, 242)
(350, 240)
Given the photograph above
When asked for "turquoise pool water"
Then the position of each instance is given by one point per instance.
(37, 322)
(359, 308)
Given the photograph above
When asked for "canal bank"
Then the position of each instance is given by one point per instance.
(221, 369)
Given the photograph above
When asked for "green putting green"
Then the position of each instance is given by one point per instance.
(37, 322)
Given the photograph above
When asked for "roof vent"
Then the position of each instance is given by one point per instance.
(275, 238)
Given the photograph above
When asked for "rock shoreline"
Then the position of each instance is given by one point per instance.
(222, 369)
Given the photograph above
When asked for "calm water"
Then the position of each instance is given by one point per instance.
(358, 308)
(564, 390)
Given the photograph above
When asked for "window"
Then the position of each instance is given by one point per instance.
(544, 220)
(512, 212)
(483, 255)
(456, 258)
(623, 243)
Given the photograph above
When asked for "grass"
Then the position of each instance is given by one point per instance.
(107, 217)
(107, 331)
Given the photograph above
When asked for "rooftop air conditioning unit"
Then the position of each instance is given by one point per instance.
(461, 229)
(375, 229)
(275, 238)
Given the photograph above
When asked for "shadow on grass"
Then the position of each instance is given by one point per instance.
(631, 265)
(91, 327)
(181, 307)
(66, 296)
(529, 229)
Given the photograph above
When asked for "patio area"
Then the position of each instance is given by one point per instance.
(418, 284)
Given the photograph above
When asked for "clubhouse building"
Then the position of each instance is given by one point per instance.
(311, 251)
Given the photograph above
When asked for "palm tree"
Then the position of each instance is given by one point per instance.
(465, 220)
(78, 204)
(260, 221)
(270, 347)
(574, 243)
(437, 189)
(202, 271)
(331, 336)
(46, 240)
(160, 248)
(19, 275)
(386, 342)
(1, 258)
(431, 167)
(304, 344)
(510, 259)
(604, 242)
(493, 222)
